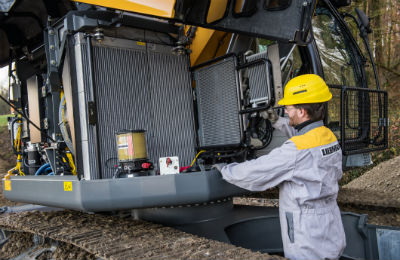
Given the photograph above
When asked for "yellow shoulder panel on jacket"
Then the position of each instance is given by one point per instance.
(316, 137)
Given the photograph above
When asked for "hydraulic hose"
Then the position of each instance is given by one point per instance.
(63, 128)
(42, 169)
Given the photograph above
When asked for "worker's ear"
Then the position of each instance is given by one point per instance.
(302, 113)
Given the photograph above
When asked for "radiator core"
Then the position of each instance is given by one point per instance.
(217, 104)
(137, 86)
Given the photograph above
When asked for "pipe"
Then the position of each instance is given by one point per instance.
(42, 168)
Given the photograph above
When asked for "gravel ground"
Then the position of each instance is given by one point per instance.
(383, 179)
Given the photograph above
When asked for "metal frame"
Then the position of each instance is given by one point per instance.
(383, 121)
(271, 98)
(122, 193)
(238, 92)
(252, 23)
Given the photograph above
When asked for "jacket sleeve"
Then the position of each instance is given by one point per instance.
(264, 172)
(282, 124)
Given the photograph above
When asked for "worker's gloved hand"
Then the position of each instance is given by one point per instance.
(270, 114)
(218, 166)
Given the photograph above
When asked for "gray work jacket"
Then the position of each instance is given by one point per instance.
(306, 168)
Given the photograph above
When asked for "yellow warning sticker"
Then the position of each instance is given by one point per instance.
(67, 185)
(141, 43)
(7, 185)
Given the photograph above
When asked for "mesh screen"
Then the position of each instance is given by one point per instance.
(259, 79)
(217, 104)
(141, 89)
(359, 119)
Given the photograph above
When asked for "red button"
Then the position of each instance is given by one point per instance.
(146, 165)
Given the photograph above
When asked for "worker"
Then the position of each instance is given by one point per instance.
(306, 168)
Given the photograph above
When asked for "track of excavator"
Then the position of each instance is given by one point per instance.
(102, 236)
(110, 237)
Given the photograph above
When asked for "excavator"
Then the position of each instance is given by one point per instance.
(126, 105)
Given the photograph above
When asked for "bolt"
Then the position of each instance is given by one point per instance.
(305, 3)
(52, 47)
(51, 32)
(53, 62)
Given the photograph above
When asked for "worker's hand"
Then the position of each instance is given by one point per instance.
(218, 166)
(270, 114)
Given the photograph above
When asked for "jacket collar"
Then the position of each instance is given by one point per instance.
(307, 126)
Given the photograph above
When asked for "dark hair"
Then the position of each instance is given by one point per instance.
(315, 111)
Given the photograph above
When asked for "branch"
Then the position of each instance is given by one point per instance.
(388, 69)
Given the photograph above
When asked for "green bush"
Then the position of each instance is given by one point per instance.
(3, 119)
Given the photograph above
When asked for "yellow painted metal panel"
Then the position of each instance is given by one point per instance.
(162, 8)
(216, 10)
(208, 44)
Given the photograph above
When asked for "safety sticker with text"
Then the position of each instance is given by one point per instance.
(67, 185)
(7, 185)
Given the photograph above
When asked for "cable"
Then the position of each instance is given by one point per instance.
(12, 140)
(42, 168)
(108, 160)
(24, 116)
(29, 166)
(195, 158)
(62, 124)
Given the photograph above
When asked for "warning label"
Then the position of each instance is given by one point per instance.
(7, 185)
(67, 185)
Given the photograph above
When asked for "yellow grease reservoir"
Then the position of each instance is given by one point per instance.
(131, 145)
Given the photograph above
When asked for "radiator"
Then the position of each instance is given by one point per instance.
(259, 79)
(136, 86)
(218, 104)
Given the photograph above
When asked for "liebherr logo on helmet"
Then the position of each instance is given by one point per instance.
(329, 150)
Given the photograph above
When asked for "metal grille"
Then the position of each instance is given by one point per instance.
(217, 103)
(259, 78)
(142, 89)
(363, 123)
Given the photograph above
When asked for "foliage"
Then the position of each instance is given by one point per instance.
(4, 108)
(3, 120)
(385, 46)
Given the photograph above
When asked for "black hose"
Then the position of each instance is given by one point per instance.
(29, 166)
(24, 116)
(269, 130)
(108, 160)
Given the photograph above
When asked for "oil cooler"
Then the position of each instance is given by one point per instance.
(125, 84)
(217, 89)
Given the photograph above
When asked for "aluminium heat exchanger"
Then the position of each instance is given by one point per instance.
(132, 85)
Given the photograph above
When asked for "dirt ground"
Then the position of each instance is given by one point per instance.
(7, 161)
(384, 178)
(20, 242)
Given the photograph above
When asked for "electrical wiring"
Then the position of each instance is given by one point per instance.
(195, 158)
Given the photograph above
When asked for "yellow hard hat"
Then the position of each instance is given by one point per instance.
(304, 89)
